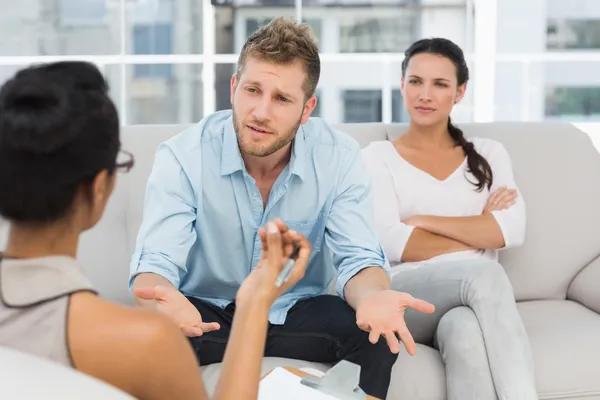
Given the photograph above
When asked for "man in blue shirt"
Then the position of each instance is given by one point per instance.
(216, 184)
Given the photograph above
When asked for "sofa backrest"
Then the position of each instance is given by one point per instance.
(556, 167)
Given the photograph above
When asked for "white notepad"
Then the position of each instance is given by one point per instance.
(282, 384)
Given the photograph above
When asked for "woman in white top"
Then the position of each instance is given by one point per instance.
(444, 207)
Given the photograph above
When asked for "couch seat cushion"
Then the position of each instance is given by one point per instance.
(565, 340)
(417, 377)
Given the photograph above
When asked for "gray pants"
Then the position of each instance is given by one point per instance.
(476, 327)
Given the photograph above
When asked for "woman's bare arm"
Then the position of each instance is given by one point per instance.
(139, 351)
(480, 232)
(423, 245)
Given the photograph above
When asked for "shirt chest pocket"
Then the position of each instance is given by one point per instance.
(313, 230)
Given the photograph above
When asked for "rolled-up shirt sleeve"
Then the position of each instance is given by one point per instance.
(512, 221)
(392, 233)
(167, 231)
(350, 230)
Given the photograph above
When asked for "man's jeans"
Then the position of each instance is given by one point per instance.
(320, 329)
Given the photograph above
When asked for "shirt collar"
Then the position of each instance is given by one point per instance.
(232, 161)
(298, 159)
(231, 158)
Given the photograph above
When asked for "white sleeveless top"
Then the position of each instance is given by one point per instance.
(34, 304)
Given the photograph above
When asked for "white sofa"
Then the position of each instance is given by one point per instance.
(556, 274)
(52, 381)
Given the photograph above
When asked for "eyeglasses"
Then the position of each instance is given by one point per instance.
(125, 161)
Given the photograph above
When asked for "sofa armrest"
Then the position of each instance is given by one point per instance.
(584, 288)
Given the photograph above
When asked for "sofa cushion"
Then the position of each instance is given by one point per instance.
(27, 376)
(418, 377)
(556, 167)
(104, 250)
(210, 373)
(364, 133)
(142, 141)
(565, 340)
(584, 288)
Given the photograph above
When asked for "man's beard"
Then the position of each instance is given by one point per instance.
(258, 150)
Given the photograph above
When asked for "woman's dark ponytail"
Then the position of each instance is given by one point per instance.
(477, 164)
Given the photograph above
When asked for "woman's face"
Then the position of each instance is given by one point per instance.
(430, 88)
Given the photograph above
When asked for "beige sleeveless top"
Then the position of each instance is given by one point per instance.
(34, 303)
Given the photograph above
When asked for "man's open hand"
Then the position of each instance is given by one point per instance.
(175, 305)
(382, 314)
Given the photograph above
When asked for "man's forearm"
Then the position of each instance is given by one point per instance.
(481, 231)
(364, 284)
(423, 245)
(148, 279)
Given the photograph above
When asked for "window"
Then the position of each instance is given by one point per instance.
(573, 34)
(252, 24)
(399, 113)
(82, 12)
(573, 103)
(366, 106)
(153, 39)
(342, 3)
(362, 106)
(377, 35)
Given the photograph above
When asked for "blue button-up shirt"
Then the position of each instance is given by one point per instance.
(202, 213)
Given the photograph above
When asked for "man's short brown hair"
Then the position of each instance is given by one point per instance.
(284, 41)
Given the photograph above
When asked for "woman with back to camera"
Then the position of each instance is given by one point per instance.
(444, 207)
(59, 147)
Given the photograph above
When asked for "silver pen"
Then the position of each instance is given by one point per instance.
(286, 272)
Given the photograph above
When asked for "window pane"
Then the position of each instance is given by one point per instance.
(344, 86)
(162, 95)
(60, 27)
(252, 24)
(399, 113)
(111, 73)
(362, 105)
(223, 73)
(573, 34)
(573, 103)
(231, 35)
(164, 27)
(364, 34)
(541, 91)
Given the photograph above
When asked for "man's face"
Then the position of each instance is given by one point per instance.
(268, 102)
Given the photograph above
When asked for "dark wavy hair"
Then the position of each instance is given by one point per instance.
(58, 129)
(477, 164)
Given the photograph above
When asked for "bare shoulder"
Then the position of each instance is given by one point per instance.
(125, 346)
(93, 314)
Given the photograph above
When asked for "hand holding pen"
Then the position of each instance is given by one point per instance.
(285, 255)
